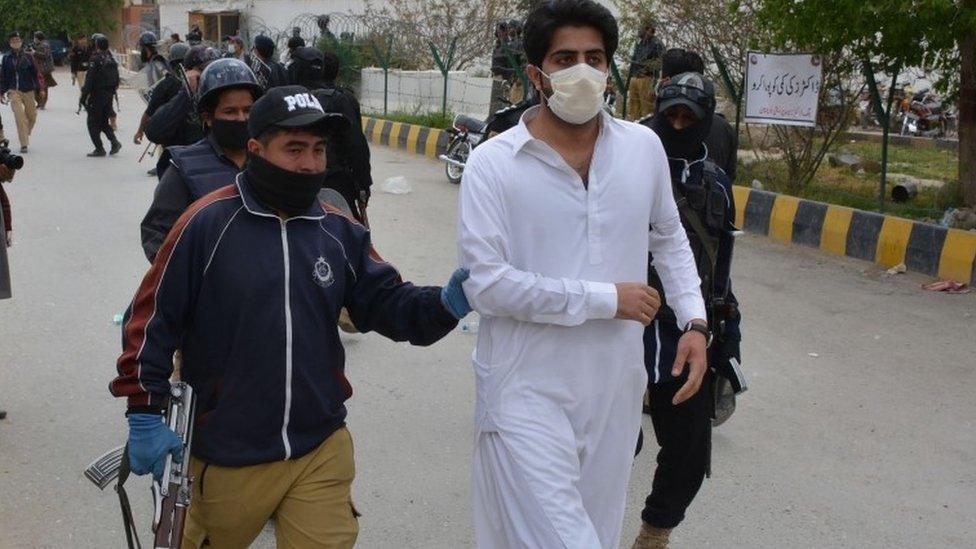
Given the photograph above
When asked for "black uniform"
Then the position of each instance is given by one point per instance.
(270, 73)
(100, 87)
(80, 58)
(723, 145)
(348, 170)
(162, 93)
(174, 123)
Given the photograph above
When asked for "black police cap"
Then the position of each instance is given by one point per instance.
(292, 107)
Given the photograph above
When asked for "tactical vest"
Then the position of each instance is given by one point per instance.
(703, 204)
(203, 170)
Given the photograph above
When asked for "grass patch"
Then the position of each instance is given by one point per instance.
(922, 162)
(431, 120)
(856, 190)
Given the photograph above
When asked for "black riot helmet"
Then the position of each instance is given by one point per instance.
(306, 67)
(100, 41)
(148, 39)
(222, 75)
(177, 52)
(199, 56)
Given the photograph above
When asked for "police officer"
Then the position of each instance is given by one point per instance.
(157, 67)
(79, 57)
(645, 64)
(250, 285)
(705, 203)
(164, 90)
(227, 90)
(96, 97)
(178, 122)
(723, 143)
(349, 167)
(270, 73)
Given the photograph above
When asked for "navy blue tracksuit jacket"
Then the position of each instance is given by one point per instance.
(253, 301)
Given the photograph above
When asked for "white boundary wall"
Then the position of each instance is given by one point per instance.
(276, 14)
(422, 92)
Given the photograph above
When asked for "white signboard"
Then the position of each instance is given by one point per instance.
(782, 88)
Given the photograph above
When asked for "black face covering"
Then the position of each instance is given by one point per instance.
(144, 55)
(291, 193)
(230, 134)
(686, 143)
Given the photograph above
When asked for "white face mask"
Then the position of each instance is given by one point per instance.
(577, 93)
(231, 48)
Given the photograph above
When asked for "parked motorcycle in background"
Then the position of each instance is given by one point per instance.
(469, 132)
(925, 116)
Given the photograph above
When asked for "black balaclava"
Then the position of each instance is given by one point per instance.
(230, 134)
(686, 144)
(291, 193)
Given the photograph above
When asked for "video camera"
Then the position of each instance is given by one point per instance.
(9, 159)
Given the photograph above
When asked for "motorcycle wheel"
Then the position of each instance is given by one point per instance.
(459, 150)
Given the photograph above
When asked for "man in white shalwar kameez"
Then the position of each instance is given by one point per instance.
(553, 225)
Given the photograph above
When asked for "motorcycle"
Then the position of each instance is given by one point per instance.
(925, 117)
(467, 133)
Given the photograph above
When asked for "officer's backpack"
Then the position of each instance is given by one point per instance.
(109, 72)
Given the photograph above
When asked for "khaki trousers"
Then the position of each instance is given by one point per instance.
(640, 97)
(80, 78)
(309, 499)
(25, 113)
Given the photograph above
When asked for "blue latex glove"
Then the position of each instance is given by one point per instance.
(452, 295)
(149, 441)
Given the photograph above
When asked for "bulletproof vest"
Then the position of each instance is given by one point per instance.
(202, 169)
(702, 205)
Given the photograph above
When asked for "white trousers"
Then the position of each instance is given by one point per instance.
(545, 485)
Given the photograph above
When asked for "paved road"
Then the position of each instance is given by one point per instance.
(871, 443)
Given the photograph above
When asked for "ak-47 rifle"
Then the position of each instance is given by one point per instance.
(171, 496)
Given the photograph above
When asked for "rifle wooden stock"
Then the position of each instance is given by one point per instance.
(169, 532)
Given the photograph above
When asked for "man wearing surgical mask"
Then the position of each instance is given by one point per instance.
(226, 91)
(553, 226)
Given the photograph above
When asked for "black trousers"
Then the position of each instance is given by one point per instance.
(684, 433)
(99, 111)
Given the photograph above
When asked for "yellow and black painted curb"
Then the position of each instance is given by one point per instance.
(430, 142)
(888, 241)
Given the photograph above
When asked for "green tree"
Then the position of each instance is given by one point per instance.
(74, 17)
(889, 35)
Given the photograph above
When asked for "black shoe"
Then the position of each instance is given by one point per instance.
(3, 414)
(97, 152)
(152, 173)
(23, 149)
(116, 147)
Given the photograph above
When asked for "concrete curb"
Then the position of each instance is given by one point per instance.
(429, 142)
(888, 241)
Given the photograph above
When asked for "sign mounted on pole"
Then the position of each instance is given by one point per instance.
(782, 88)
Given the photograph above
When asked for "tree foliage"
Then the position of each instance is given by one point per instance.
(892, 34)
(416, 23)
(52, 16)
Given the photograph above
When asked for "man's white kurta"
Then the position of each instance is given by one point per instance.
(559, 381)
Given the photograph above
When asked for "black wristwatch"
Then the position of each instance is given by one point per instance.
(700, 328)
